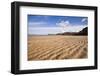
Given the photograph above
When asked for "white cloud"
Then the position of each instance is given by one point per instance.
(84, 19)
(44, 30)
(64, 25)
(36, 24)
(53, 30)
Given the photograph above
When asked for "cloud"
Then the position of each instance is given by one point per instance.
(84, 19)
(53, 30)
(36, 24)
(44, 30)
(64, 25)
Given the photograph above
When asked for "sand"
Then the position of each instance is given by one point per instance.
(57, 47)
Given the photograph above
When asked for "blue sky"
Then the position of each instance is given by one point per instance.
(43, 24)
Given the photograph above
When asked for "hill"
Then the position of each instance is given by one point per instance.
(84, 31)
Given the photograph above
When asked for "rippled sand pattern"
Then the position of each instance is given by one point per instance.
(57, 47)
